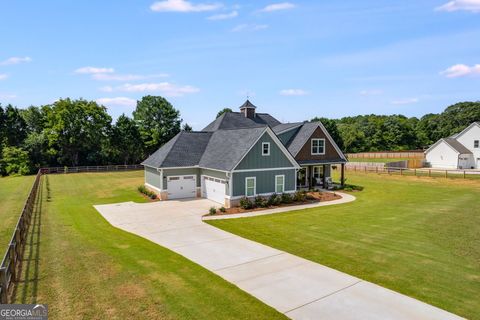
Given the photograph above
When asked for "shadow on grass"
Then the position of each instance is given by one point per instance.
(27, 287)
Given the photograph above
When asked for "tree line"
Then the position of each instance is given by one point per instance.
(80, 132)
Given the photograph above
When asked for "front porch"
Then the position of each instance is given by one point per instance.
(318, 175)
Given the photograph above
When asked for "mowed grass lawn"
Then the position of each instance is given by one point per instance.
(13, 193)
(417, 236)
(84, 268)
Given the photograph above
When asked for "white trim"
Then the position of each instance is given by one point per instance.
(283, 184)
(277, 142)
(263, 148)
(438, 142)
(146, 165)
(161, 179)
(260, 194)
(329, 137)
(311, 147)
(467, 129)
(213, 169)
(265, 169)
(152, 187)
(254, 186)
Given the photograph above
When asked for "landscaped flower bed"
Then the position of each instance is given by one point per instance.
(277, 201)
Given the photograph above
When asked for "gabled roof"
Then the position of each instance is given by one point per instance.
(457, 146)
(236, 120)
(467, 129)
(227, 147)
(184, 150)
(248, 104)
(284, 127)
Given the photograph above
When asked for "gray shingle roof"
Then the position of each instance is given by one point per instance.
(301, 137)
(184, 150)
(237, 120)
(460, 148)
(286, 126)
(227, 147)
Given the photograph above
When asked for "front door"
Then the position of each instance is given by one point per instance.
(302, 177)
(317, 177)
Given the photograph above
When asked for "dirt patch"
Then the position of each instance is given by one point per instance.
(130, 291)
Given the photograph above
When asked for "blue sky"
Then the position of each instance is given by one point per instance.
(295, 59)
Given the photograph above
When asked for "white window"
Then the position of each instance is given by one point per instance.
(250, 186)
(318, 146)
(476, 143)
(317, 172)
(265, 148)
(280, 184)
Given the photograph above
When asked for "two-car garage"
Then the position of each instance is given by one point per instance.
(185, 186)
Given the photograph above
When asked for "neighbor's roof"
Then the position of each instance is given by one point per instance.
(227, 147)
(184, 150)
(237, 120)
(220, 150)
(460, 148)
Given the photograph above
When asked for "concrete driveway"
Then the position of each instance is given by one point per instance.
(297, 287)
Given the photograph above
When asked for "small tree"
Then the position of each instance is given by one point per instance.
(14, 161)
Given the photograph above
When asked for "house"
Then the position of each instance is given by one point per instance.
(460, 151)
(243, 154)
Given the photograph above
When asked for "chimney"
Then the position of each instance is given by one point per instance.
(248, 109)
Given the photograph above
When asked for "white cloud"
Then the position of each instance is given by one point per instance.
(461, 70)
(405, 101)
(94, 70)
(166, 88)
(372, 92)
(293, 92)
(224, 16)
(7, 96)
(183, 6)
(15, 60)
(117, 101)
(456, 5)
(125, 77)
(249, 27)
(278, 6)
(3, 76)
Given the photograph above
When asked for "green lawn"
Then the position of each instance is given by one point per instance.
(383, 160)
(84, 268)
(13, 193)
(418, 236)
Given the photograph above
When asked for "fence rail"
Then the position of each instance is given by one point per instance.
(419, 172)
(11, 263)
(410, 154)
(10, 266)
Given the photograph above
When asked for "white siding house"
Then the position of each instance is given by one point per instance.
(460, 151)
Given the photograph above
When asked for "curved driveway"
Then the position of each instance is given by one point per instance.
(299, 288)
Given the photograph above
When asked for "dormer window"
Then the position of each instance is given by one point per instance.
(265, 148)
(318, 146)
(476, 143)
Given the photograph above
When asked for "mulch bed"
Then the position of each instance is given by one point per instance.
(314, 198)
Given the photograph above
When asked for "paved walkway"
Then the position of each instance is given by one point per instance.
(299, 288)
(345, 198)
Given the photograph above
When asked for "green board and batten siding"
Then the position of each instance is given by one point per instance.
(152, 177)
(265, 180)
(255, 160)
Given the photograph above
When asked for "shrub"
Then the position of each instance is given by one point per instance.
(148, 193)
(274, 200)
(286, 198)
(300, 196)
(222, 209)
(245, 203)
(260, 202)
(212, 210)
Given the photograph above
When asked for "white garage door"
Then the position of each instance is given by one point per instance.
(214, 189)
(181, 187)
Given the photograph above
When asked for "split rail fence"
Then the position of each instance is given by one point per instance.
(420, 172)
(10, 267)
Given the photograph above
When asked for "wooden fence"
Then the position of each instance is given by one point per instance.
(12, 261)
(10, 266)
(421, 172)
(410, 154)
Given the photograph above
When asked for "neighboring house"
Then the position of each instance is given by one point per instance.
(243, 154)
(460, 151)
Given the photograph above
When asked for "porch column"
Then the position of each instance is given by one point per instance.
(342, 175)
(324, 178)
